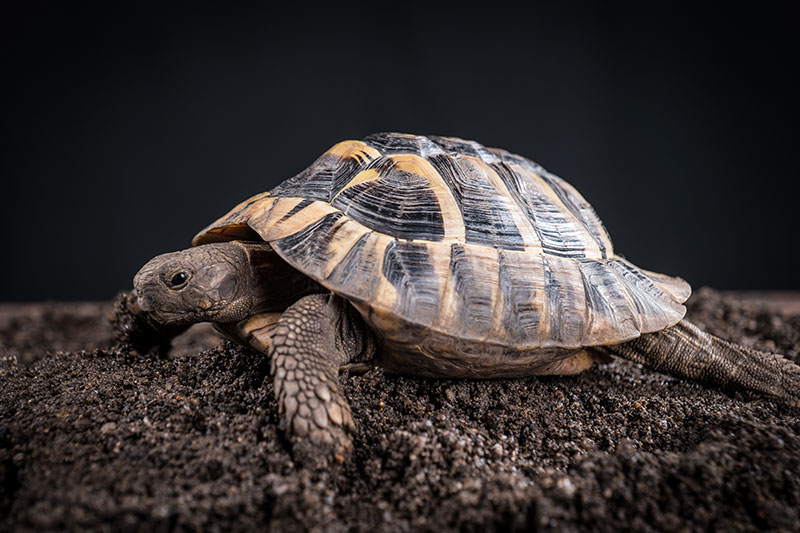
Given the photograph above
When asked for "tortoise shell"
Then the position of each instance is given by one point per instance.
(435, 237)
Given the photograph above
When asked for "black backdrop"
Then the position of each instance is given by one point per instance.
(127, 129)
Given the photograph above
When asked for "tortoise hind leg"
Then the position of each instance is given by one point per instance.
(686, 351)
(574, 364)
(313, 338)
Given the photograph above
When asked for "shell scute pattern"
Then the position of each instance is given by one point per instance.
(465, 241)
(488, 219)
(470, 289)
(395, 202)
(407, 266)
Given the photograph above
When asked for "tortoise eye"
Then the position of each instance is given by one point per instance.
(178, 280)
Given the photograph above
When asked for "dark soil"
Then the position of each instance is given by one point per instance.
(99, 438)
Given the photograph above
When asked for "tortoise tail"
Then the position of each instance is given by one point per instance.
(686, 351)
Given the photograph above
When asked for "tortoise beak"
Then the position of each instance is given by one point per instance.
(133, 303)
(144, 300)
(146, 288)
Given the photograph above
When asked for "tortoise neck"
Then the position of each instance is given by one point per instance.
(274, 284)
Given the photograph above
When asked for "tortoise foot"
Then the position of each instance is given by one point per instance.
(316, 416)
(307, 348)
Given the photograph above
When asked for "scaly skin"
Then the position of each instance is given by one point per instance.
(686, 351)
(313, 339)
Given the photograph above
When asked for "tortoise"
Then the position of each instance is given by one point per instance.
(438, 257)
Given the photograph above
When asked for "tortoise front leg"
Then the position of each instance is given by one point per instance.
(313, 338)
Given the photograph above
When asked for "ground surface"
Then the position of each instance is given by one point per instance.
(92, 437)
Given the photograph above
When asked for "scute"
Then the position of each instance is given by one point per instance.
(395, 143)
(445, 236)
(394, 202)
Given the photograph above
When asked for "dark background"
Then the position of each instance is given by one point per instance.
(128, 129)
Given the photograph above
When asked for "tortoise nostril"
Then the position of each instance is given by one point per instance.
(133, 302)
(146, 300)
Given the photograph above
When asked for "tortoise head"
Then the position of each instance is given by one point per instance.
(213, 282)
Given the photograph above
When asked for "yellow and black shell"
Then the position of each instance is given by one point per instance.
(444, 245)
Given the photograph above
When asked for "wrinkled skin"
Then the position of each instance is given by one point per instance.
(212, 283)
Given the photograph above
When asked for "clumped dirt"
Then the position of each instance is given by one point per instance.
(97, 437)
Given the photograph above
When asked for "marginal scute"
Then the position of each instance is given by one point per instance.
(407, 266)
(565, 307)
(677, 287)
(263, 220)
(445, 238)
(656, 308)
(469, 292)
(522, 290)
(234, 225)
(611, 313)
(231, 232)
